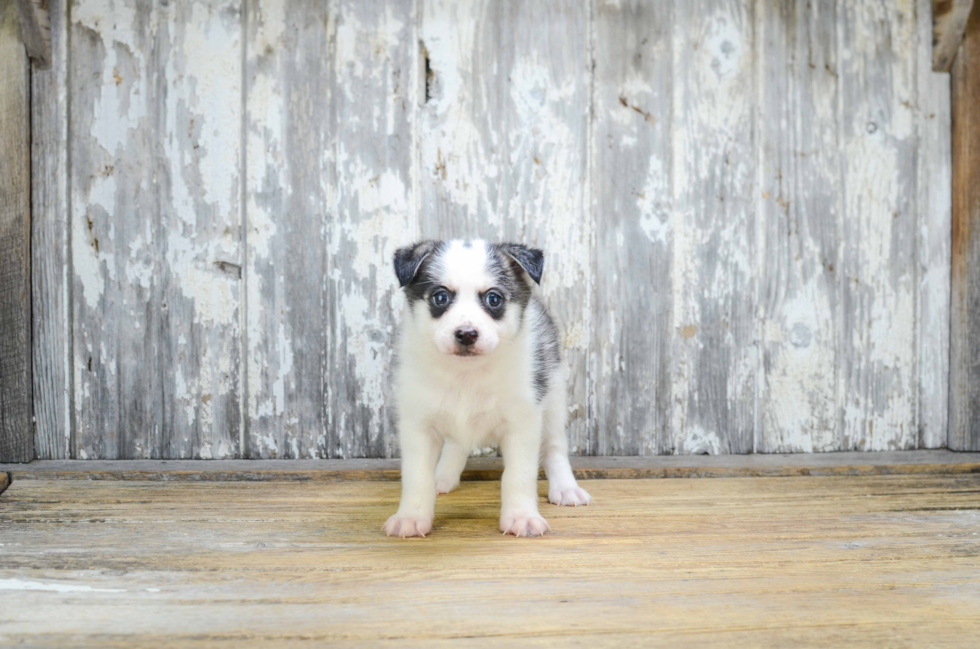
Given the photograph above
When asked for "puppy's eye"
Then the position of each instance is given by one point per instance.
(440, 297)
(493, 299)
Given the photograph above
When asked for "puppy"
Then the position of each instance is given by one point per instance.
(478, 362)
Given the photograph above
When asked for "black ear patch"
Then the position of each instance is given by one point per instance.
(530, 259)
(409, 259)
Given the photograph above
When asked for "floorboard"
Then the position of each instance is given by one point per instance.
(490, 468)
(888, 560)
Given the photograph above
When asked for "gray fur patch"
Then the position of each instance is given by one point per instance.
(547, 352)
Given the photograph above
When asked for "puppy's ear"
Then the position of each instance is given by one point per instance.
(530, 259)
(409, 259)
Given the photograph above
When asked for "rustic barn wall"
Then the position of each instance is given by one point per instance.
(745, 206)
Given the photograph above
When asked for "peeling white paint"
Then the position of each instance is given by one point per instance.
(697, 441)
(501, 149)
(655, 204)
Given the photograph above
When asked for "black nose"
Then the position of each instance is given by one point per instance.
(467, 336)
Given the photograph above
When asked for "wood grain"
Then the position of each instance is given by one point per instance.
(288, 187)
(933, 207)
(154, 195)
(799, 206)
(819, 561)
(632, 185)
(200, 66)
(743, 206)
(375, 97)
(35, 31)
(964, 389)
(489, 468)
(331, 102)
(503, 140)
(949, 18)
(714, 357)
(51, 247)
(16, 428)
(877, 375)
(116, 234)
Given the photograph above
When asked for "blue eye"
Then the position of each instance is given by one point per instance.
(493, 299)
(440, 297)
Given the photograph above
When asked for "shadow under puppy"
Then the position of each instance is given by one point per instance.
(478, 362)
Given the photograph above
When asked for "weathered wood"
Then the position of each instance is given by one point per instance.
(16, 429)
(714, 358)
(631, 179)
(964, 386)
(940, 462)
(815, 562)
(949, 19)
(117, 265)
(200, 67)
(155, 217)
(750, 254)
(503, 136)
(50, 247)
(877, 378)
(331, 100)
(289, 188)
(799, 206)
(35, 30)
(375, 99)
(933, 213)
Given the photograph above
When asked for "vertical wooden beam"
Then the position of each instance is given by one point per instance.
(714, 358)
(875, 267)
(50, 247)
(16, 434)
(631, 179)
(933, 199)
(799, 207)
(948, 23)
(289, 185)
(964, 376)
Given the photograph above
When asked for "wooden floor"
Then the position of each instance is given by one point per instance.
(820, 561)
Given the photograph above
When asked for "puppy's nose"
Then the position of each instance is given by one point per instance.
(467, 336)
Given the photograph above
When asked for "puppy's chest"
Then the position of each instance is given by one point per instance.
(473, 405)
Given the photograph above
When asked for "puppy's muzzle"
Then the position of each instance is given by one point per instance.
(466, 336)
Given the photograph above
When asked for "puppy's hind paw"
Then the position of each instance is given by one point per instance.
(404, 526)
(571, 496)
(524, 524)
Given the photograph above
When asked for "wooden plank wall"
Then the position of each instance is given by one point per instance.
(964, 424)
(51, 268)
(16, 435)
(745, 206)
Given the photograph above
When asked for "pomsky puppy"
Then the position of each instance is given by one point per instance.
(478, 362)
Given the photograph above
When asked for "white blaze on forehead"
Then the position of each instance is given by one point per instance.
(465, 266)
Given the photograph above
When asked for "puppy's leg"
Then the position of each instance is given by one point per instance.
(562, 486)
(451, 465)
(520, 447)
(420, 449)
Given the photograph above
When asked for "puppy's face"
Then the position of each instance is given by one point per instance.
(467, 296)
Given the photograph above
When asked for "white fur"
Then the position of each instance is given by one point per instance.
(447, 404)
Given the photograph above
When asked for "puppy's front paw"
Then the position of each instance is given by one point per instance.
(404, 525)
(444, 485)
(571, 496)
(524, 524)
